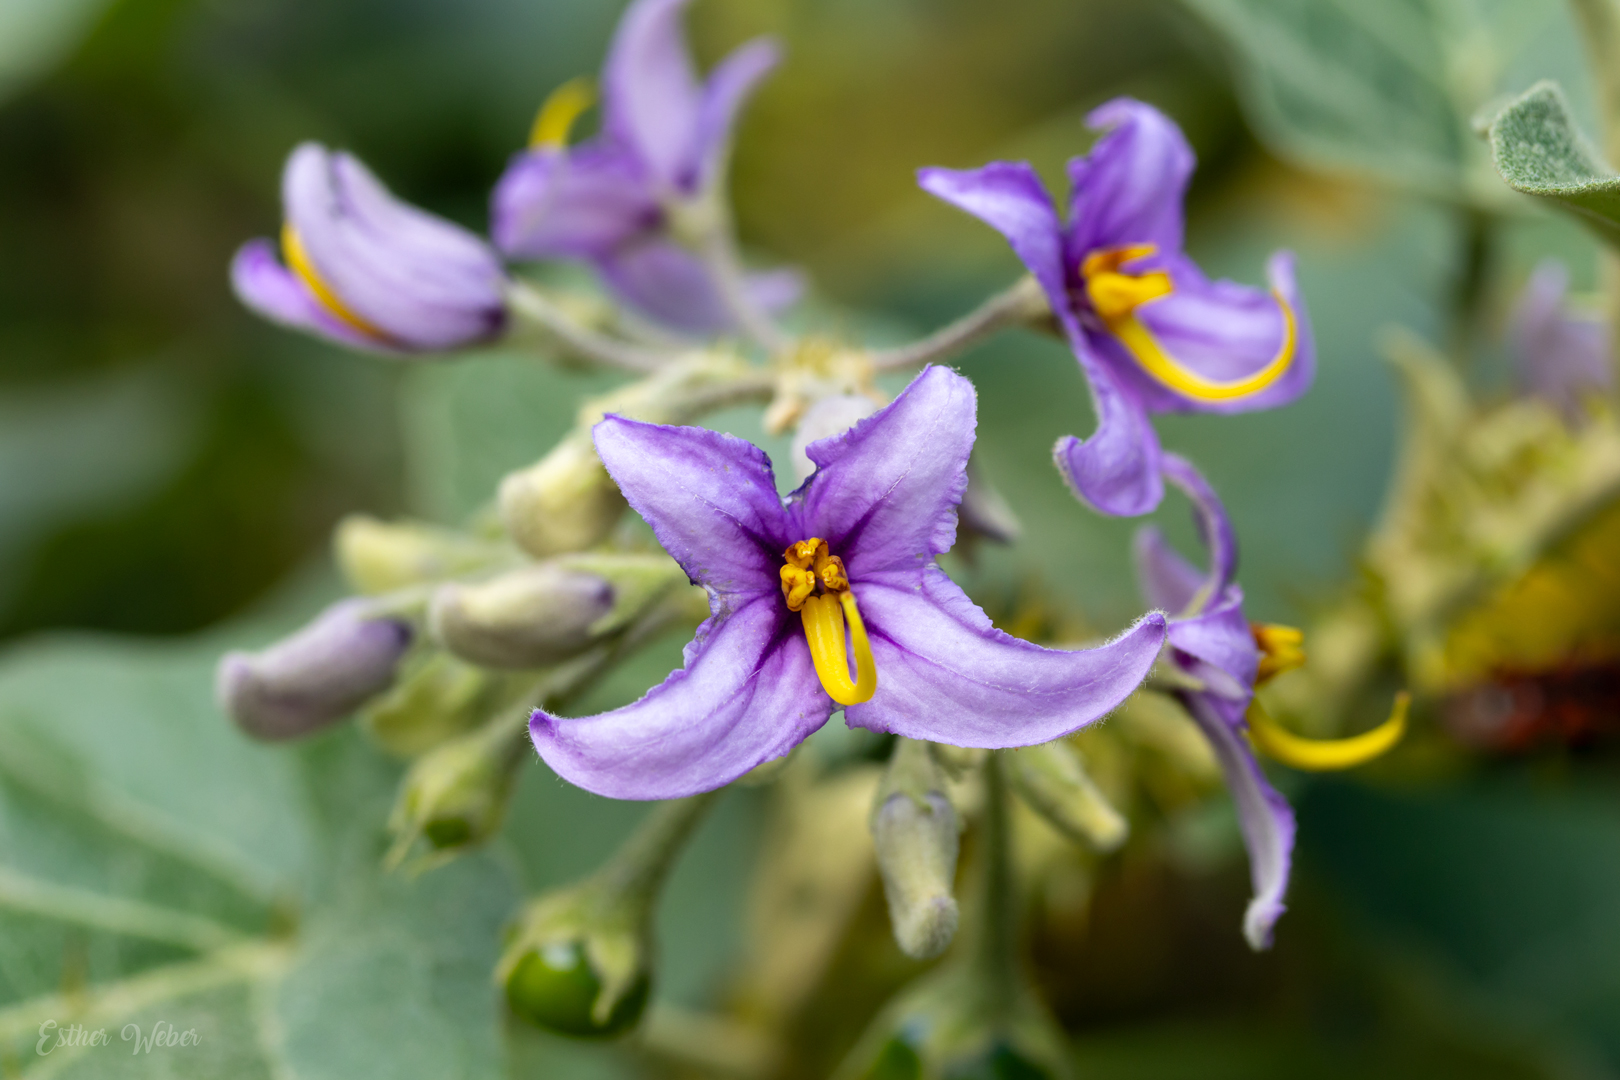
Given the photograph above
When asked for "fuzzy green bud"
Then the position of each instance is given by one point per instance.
(1052, 781)
(380, 556)
(454, 796)
(437, 699)
(915, 832)
(565, 502)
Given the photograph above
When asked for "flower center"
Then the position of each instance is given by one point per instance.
(298, 261)
(1115, 294)
(815, 585)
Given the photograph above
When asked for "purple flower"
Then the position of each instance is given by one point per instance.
(1560, 355)
(664, 143)
(1152, 334)
(366, 270)
(314, 677)
(1211, 640)
(769, 666)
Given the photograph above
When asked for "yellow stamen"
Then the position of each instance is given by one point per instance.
(1322, 755)
(1115, 295)
(1281, 649)
(815, 584)
(558, 112)
(298, 261)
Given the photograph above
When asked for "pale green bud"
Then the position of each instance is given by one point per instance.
(437, 699)
(1052, 780)
(379, 556)
(916, 835)
(565, 502)
(455, 795)
(529, 618)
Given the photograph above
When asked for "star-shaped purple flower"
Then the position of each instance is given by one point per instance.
(1211, 640)
(1561, 355)
(859, 537)
(1152, 334)
(664, 141)
(367, 270)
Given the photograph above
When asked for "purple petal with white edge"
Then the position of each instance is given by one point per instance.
(884, 493)
(1129, 188)
(1209, 517)
(1223, 331)
(945, 674)
(428, 284)
(1559, 355)
(729, 85)
(651, 97)
(1217, 646)
(1264, 815)
(747, 694)
(269, 288)
(710, 499)
(579, 203)
(1010, 198)
(1116, 471)
(314, 677)
(1166, 579)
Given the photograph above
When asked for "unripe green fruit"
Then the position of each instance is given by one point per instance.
(554, 987)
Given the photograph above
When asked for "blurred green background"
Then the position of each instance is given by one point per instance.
(169, 463)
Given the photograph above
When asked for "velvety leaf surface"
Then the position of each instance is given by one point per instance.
(1540, 150)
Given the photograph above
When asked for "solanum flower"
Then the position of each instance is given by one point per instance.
(367, 270)
(1215, 647)
(1151, 332)
(1561, 355)
(664, 143)
(856, 541)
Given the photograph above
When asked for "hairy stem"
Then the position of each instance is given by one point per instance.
(1021, 303)
(719, 251)
(638, 869)
(995, 943)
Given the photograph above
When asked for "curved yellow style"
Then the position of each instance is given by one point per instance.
(1323, 755)
(1115, 295)
(292, 249)
(558, 112)
(824, 629)
(1282, 648)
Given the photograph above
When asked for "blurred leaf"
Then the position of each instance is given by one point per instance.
(1540, 151)
(1385, 88)
(155, 868)
(35, 34)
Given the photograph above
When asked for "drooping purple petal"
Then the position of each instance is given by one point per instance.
(1009, 197)
(1223, 331)
(748, 693)
(577, 203)
(1217, 646)
(312, 678)
(1116, 470)
(1210, 518)
(671, 286)
(651, 97)
(1129, 189)
(728, 87)
(884, 493)
(1560, 356)
(711, 501)
(946, 674)
(1264, 815)
(266, 286)
(1167, 580)
(426, 283)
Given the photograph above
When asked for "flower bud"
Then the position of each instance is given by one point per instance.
(1052, 780)
(315, 677)
(380, 556)
(565, 502)
(529, 618)
(455, 795)
(916, 835)
(436, 699)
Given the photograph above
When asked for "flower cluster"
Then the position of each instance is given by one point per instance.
(830, 599)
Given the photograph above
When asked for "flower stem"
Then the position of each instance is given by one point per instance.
(719, 252)
(1021, 303)
(582, 341)
(994, 958)
(638, 869)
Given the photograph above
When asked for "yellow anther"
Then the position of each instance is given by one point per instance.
(298, 261)
(798, 585)
(1115, 295)
(824, 617)
(1281, 649)
(558, 112)
(830, 569)
(1322, 755)
(803, 553)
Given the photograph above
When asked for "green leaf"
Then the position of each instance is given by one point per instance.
(1540, 151)
(160, 872)
(1387, 88)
